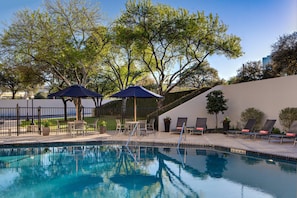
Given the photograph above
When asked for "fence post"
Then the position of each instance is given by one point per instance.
(39, 120)
(18, 118)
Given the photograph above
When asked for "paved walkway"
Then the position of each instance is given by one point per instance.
(287, 150)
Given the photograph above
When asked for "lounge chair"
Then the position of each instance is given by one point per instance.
(265, 130)
(200, 126)
(249, 126)
(179, 124)
(291, 134)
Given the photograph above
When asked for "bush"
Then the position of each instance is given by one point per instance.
(287, 116)
(252, 113)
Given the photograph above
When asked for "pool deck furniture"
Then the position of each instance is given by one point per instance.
(265, 130)
(151, 124)
(249, 126)
(179, 124)
(120, 127)
(77, 127)
(290, 135)
(92, 126)
(199, 128)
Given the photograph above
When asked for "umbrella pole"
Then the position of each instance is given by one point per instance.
(135, 109)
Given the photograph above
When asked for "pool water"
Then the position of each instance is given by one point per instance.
(135, 171)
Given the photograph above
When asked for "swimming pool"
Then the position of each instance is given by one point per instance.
(140, 171)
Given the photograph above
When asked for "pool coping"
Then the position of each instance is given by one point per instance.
(238, 151)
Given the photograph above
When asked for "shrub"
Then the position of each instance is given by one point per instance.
(252, 113)
(287, 116)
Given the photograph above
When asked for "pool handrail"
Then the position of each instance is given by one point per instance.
(181, 135)
(132, 133)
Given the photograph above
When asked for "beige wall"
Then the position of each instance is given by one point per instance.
(270, 96)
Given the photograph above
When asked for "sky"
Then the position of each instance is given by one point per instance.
(259, 23)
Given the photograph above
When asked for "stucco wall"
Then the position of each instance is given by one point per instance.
(270, 96)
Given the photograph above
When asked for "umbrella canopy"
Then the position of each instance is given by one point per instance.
(135, 92)
(75, 91)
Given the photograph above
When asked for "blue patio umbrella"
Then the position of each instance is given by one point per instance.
(75, 91)
(136, 92)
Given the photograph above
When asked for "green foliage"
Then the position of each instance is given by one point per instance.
(252, 113)
(284, 55)
(276, 130)
(46, 123)
(103, 123)
(216, 103)
(287, 116)
(250, 71)
(164, 36)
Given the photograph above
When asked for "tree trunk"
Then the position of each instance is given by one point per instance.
(65, 109)
(78, 108)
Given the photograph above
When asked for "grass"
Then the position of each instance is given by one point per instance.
(109, 119)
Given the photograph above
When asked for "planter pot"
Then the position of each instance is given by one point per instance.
(167, 125)
(226, 126)
(102, 129)
(45, 131)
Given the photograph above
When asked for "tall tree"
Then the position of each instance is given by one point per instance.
(65, 41)
(166, 37)
(284, 55)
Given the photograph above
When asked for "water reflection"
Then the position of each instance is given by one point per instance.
(136, 171)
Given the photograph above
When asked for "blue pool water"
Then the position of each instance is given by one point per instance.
(135, 171)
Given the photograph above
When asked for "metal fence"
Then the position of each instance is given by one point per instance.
(24, 120)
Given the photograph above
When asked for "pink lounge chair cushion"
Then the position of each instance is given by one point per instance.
(178, 128)
(245, 130)
(290, 134)
(263, 132)
(199, 128)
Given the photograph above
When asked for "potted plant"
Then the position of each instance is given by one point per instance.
(167, 121)
(102, 126)
(46, 128)
(226, 123)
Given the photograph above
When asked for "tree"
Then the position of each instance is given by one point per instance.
(166, 37)
(284, 55)
(65, 41)
(216, 103)
(15, 77)
(287, 117)
(204, 76)
(250, 71)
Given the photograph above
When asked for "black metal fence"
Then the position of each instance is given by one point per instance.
(24, 120)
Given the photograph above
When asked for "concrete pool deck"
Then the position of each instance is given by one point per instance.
(284, 150)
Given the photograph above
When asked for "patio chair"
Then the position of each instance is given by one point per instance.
(151, 124)
(79, 127)
(142, 127)
(265, 131)
(120, 127)
(249, 126)
(291, 134)
(61, 126)
(179, 124)
(200, 126)
(93, 126)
